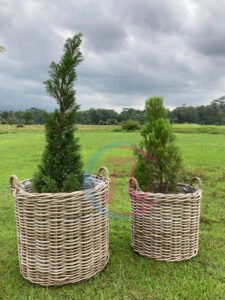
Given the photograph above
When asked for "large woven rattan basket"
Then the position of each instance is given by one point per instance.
(165, 226)
(63, 237)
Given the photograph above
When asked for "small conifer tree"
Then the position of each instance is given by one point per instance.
(61, 167)
(158, 159)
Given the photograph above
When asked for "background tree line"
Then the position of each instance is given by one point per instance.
(27, 117)
(212, 114)
(91, 116)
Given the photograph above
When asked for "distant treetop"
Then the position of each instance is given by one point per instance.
(2, 49)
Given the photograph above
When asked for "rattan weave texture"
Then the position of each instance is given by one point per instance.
(165, 226)
(62, 237)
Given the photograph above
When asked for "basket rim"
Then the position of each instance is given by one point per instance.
(17, 189)
(136, 188)
(95, 188)
(198, 191)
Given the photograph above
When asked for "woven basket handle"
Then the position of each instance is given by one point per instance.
(198, 181)
(133, 183)
(103, 171)
(14, 184)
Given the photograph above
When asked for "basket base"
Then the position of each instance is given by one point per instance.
(166, 259)
(64, 281)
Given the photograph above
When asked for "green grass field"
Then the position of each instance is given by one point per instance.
(128, 275)
(178, 128)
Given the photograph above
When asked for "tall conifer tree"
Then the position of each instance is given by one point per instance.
(61, 167)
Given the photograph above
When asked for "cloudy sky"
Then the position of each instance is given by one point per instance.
(133, 49)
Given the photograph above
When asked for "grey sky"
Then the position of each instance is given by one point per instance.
(132, 49)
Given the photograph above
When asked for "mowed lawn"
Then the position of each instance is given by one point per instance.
(127, 275)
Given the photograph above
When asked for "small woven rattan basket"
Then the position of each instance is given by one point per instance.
(165, 226)
(62, 237)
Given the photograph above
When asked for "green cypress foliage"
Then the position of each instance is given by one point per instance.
(158, 159)
(61, 167)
